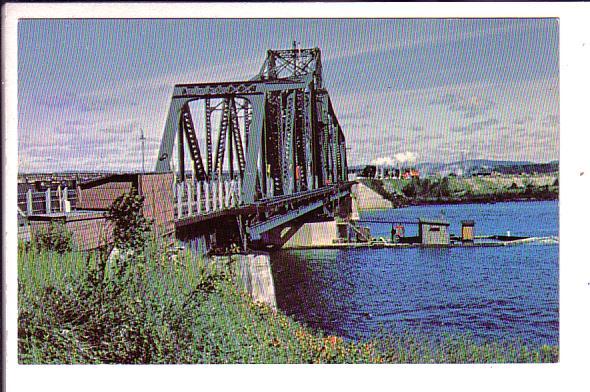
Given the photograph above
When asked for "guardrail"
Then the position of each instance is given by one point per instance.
(201, 198)
(47, 202)
(204, 197)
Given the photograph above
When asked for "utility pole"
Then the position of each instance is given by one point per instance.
(142, 138)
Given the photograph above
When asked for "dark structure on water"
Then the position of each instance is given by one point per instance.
(433, 231)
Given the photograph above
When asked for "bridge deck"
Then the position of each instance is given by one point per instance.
(290, 206)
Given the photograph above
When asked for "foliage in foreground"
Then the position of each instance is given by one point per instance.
(76, 308)
(55, 237)
(130, 227)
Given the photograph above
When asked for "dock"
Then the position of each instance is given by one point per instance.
(382, 243)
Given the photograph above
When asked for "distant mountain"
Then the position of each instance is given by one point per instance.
(483, 165)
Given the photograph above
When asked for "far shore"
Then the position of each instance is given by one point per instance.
(468, 190)
(482, 200)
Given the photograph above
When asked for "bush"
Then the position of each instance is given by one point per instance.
(444, 189)
(427, 188)
(136, 315)
(56, 237)
(130, 227)
(412, 189)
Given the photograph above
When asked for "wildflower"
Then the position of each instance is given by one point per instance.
(275, 343)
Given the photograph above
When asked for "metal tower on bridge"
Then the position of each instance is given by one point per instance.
(277, 133)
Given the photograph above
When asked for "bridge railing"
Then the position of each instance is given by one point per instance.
(46, 202)
(206, 197)
(60, 200)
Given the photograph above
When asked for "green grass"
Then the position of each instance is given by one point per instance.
(484, 186)
(75, 308)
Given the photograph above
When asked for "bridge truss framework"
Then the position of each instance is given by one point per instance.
(276, 136)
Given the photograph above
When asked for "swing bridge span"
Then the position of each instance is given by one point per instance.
(257, 155)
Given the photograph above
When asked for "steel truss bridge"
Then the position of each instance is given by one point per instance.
(252, 156)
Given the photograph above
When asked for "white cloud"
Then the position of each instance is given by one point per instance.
(398, 158)
(483, 115)
(106, 135)
(444, 35)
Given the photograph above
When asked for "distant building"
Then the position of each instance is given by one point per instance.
(410, 173)
(433, 231)
(467, 232)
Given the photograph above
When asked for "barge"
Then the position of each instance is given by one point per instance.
(432, 233)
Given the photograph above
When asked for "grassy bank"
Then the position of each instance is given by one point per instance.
(82, 308)
(468, 189)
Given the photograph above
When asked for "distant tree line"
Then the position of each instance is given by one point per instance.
(427, 188)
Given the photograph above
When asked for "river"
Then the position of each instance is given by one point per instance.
(497, 293)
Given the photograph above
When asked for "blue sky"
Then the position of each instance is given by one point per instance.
(433, 87)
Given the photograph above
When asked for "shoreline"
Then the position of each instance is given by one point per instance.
(404, 193)
(476, 200)
(246, 332)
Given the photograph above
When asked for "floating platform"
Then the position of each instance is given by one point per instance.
(382, 243)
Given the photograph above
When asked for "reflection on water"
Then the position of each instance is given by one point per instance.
(499, 293)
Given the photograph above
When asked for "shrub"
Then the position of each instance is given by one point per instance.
(56, 237)
(443, 186)
(130, 227)
(427, 188)
(412, 188)
(142, 313)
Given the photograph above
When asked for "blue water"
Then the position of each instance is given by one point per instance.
(500, 293)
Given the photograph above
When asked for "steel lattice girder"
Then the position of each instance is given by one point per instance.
(208, 136)
(221, 139)
(308, 149)
(237, 139)
(255, 231)
(191, 137)
(292, 63)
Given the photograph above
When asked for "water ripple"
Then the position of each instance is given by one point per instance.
(491, 293)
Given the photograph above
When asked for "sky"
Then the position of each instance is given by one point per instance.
(437, 89)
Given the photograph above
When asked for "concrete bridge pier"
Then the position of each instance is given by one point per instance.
(253, 275)
(253, 272)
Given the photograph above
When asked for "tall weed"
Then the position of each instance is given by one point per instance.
(179, 310)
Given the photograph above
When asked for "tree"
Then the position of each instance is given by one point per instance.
(444, 188)
(55, 237)
(130, 227)
(369, 171)
(412, 188)
(426, 186)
